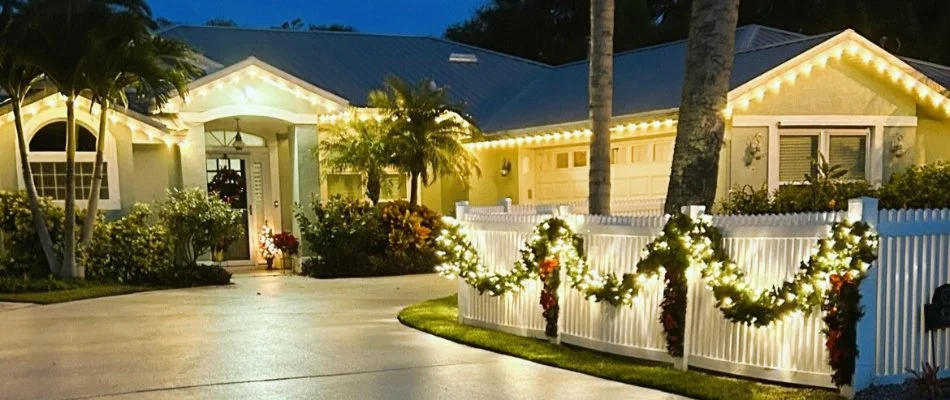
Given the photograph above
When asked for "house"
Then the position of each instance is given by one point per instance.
(792, 98)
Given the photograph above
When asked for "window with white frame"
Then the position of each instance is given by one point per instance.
(48, 162)
(799, 149)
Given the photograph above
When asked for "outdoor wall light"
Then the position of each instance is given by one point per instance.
(897, 148)
(753, 149)
(505, 167)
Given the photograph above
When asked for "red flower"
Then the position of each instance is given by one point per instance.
(547, 300)
(548, 266)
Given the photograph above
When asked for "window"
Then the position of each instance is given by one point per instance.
(561, 161)
(347, 185)
(663, 151)
(394, 187)
(580, 159)
(797, 154)
(641, 153)
(48, 162)
(849, 151)
(799, 148)
(615, 155)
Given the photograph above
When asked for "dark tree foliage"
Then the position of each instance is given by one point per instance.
(556, 31)
(550, 31)
(297, 24)
(221, 22)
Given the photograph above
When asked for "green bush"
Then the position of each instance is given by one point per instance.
(21, 254)
(191, 275)
(350, 238)
(925, 186)
(198, 222)
(130, 250)
(11, 284)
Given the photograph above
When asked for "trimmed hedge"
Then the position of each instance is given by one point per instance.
(351, 238)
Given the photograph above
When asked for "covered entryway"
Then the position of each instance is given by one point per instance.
(243, 167)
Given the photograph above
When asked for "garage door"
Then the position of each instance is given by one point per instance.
(641, 168)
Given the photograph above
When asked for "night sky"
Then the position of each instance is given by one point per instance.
(417, 17)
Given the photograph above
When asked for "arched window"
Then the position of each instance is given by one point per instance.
(48, 162)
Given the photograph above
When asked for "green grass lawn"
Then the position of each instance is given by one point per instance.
(83, 291)
(440, 317)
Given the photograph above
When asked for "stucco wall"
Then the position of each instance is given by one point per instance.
(157, 163)
(491, 187)
(838, 89)
(933, 141)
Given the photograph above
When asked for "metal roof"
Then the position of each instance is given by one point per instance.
(351, 65)
(501, 92)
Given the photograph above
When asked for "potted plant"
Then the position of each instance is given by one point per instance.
(265, 244)
(289, 247)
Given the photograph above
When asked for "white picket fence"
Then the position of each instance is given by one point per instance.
(914, 257)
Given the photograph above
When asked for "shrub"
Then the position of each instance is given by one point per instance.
(48, 284)
(191, 275)
(21, 254)
(350, 238)
(925, 186)
(129, 250)
(198, 222)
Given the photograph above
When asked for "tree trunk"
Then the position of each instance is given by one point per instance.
(92, 205)
(699, 134)
(39, 219)
(601, 103)
(373, 185)
(69, 269)
(414, 188)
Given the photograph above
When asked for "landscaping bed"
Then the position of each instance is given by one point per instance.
(440, 317)
(56, 291)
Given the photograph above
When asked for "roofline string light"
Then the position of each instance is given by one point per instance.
(258, 73)
(83, 104)
(561, 136)
(904, 80)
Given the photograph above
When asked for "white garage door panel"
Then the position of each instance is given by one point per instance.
(641, 169)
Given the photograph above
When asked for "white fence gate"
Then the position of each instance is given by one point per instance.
(913, 261)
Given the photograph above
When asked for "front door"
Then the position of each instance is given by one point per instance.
(236, 194)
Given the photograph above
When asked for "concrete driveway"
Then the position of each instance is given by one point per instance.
(269, 337)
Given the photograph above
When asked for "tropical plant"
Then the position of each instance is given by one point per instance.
(601, 103)
(699, 134)
(21, 255)
(922, 186)
(153, 67)
(426, 133)
(927, 381)
(18, 75)
(65, 35)
(131, 250)
(359, 145)
(197, 222)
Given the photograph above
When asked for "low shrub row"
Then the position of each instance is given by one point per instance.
(352, 238)
(141, 248)
(926, 186)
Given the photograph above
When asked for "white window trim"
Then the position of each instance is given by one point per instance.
(114, 202)
(875, 123)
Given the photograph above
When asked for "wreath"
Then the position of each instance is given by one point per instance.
(229, 184)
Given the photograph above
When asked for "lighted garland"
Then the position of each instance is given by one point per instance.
(460, 260)
(553, 245)
(829, 279)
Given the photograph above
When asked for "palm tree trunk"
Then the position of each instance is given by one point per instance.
(92, 207)
(373, 185)
(70, 269)
(601, 103)
(39, 219)
(701, 127)
(414, 188)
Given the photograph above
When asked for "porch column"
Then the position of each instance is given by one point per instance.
(306, 168)
(192, 159)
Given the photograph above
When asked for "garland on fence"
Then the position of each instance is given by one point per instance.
(829, 279)
(553, 245)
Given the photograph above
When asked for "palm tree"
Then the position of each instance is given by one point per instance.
(17, 77)
(426, 132)
(699, 135)
(601, 93)
(65, 34)
(359, 145)
(152, 67)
